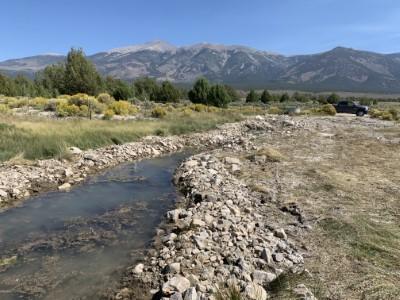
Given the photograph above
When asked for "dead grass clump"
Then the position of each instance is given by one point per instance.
(272, 155)
(232, 292)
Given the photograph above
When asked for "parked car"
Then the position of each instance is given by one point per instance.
(351, 107)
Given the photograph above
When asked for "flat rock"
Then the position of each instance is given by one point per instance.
(175, 284)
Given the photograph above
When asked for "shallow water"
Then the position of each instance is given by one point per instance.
(75, 245)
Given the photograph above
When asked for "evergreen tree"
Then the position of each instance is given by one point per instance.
(146, 89)
(266, 97)
(7, 86)
(233, 95)
(52, 79)
(168, 93)
(200, 91)
(333, 98)
(217, 96)
(252, 96)
(122, 91)
(284, 97)
(80, 74)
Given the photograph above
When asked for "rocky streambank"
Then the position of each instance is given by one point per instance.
(18, 182)
(221, 238)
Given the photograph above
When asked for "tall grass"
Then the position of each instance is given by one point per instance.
(36, 138)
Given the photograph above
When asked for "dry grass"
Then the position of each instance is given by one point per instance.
(37, 138)
(348, 186)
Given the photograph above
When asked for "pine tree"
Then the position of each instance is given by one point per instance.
(252, 96)
(266, 97)
(168, 93)
(200, 91)
(81, 75)
(217, 96)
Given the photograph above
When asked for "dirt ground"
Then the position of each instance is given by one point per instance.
(336, 185)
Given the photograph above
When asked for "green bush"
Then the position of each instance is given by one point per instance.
(158, 112)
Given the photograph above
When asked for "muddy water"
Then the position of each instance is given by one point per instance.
(75, 245)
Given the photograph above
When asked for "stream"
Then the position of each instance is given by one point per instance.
(76, 244)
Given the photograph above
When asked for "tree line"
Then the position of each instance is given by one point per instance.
(79, 75)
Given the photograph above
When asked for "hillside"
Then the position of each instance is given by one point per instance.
(341, 69)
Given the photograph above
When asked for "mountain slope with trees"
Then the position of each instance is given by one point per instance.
(341, 69)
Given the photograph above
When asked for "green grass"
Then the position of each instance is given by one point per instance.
(38, 138)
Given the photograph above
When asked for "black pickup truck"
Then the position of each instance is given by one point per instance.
(351, 107)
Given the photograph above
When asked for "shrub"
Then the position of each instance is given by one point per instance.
(17, 103)
(387, 115)
(123, 108)
(273, 110)
(66, 110)
(39, 103)
(108, 114)
(158, 112)
(52, 104)
(105, 98)
(89, 101)
(328, 109)
(198, 107)
(78, 99)
(3, 109)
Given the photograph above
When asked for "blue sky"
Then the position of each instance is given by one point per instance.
(29, 27)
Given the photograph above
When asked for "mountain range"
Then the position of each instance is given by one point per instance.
(340, 69)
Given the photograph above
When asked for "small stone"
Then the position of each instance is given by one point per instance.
(169, 238)
(176, 296)
(303, 292)
(68, 172)
(3, 194)
(233, 161)
(191, 163)
(198, 222)
(190, 294)
(254, 291)
(138, 269)
(75, 150)
(280, 233)
(175, 284)
(174, 268)
(173, 215)
(278, 257)
(64, 187)
(262, 277)
(266, 255)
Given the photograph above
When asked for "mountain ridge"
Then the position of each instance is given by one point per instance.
(341, 69)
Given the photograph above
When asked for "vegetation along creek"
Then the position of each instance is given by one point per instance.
(74, 245)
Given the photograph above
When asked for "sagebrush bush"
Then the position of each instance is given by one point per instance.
(158, 112)
(108, 114)
(89, 101)
(4, 109)
(387, 115)
(17, 103)
(328, 109)
(67, 110)
(273, 110)
(51, 105)
(39, 103)
(123, 108)
(105, 98)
